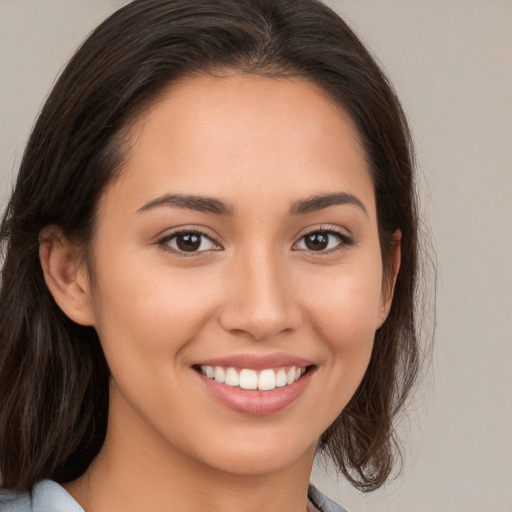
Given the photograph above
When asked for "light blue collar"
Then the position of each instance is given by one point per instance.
(50, 496)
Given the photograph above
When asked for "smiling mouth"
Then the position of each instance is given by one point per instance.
(249, 379)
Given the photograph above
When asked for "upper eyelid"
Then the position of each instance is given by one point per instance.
(326, 228)
(170, 232)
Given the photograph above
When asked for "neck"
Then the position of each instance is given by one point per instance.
(151, 474)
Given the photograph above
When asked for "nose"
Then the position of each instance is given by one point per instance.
(260, 302)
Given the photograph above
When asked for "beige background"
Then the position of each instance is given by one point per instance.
(451, 62)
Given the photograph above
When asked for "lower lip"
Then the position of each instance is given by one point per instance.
(256, 402)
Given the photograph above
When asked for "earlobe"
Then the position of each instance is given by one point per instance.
(65, 275)
(388, 285)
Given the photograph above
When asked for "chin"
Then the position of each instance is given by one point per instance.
(260, 455)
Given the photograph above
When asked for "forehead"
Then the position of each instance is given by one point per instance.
(206, 134)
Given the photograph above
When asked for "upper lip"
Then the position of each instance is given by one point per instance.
(256, 361)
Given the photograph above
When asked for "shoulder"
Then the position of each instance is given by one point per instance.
(47, 496)
(15, 502)
(322, 502)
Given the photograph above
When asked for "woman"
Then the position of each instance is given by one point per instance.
(210, 266)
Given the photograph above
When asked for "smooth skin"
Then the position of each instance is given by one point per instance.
(262, 276)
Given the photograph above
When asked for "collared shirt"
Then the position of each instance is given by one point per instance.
(49, 496)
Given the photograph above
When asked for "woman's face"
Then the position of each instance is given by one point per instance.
(240, 245)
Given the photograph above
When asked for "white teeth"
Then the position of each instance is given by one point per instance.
(248, 379)
(219, 374)
(265, 380)
(232, 378)
(280, 378)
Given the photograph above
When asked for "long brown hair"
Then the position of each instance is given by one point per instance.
(53, 374)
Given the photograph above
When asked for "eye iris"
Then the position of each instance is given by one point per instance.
(188, 242)
(317, 241)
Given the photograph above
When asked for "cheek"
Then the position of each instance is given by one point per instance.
(344, 311)
(345, 302)
(146, 318)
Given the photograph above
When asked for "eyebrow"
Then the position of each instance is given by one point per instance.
(319, 202)
(205, 204)
(190, 202)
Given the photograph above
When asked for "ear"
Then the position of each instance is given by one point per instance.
(388, 282)
(66, 275)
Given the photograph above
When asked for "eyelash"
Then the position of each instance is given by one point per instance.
(344, 241)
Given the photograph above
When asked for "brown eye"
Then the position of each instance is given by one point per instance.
(316, 241)
(188, 242)
(324, 241)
